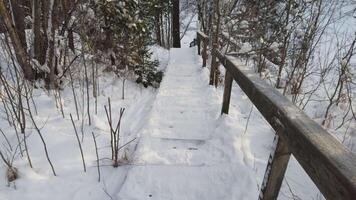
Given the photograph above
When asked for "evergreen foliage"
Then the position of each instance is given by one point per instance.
(119, 30)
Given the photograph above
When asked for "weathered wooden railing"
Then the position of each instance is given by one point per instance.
(326, 161)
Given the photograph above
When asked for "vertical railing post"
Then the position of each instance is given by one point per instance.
(227, 93)
(214, 65)
(198, 43)
(276, 168)
(205, 52)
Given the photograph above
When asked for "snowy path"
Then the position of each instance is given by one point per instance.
(180, 154)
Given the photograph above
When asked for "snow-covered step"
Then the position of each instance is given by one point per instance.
(178, 152)
(182, 77)
(180, 109)
(223, 182)
(181, 133)
(184, 101)
(184, 92)
(184, 86)
(177, 157)
(182, 124)
(180, 114)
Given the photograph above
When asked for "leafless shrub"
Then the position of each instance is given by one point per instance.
(11, 171)
(38, 130)
(97, 156)
(79, 143)
(115, 134)
(12, 100)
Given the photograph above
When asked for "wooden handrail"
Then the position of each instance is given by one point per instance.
(327, 162)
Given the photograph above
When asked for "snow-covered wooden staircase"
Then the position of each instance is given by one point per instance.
(178, 156)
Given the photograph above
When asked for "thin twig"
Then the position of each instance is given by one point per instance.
(79, 143)
(6, 139)
(97, 156)
(39, 133)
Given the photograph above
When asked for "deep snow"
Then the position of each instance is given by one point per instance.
(184, 148)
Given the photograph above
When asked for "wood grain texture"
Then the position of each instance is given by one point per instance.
(328, 163)
(198, 43)
(227, 93)
(275, 170)
(205, 53)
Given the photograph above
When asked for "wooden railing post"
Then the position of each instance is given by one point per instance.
(329, 164)
(214, 65)
(276, 168)
(227, 93)
(205, 52)
(198, 42)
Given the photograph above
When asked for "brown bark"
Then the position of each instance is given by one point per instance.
(21, 54)
(19, 19)
(40, 42)
(176, 24)
(67, 7)
(2, 27)
(215, 72)
(158, 28)
(52, 25)
(71, 40)
(163, 41)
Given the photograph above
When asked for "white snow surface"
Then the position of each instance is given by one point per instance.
(185, 149)
(184, 153)
(189, 151)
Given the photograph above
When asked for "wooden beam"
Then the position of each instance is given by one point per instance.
(227, 93)
(205, 53)
(198, 43)
(176, 23)
(328, 163)
(214, 66)
(275, 170)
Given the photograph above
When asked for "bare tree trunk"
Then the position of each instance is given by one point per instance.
(215, 72)
(50, 54)
(176, 24)
(168, 31)
(19, 20)
(285, 46)
(201, 16)
(158, 28)
(71, 40)
(163, 41)
(40, 40)
(68, 7)
(21, 54)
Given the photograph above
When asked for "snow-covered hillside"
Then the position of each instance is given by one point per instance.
(174, 143)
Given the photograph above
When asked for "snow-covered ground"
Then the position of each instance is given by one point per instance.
(186, 152)
(71, 181)
(184, 149)
(189, 151)
(58, 132)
